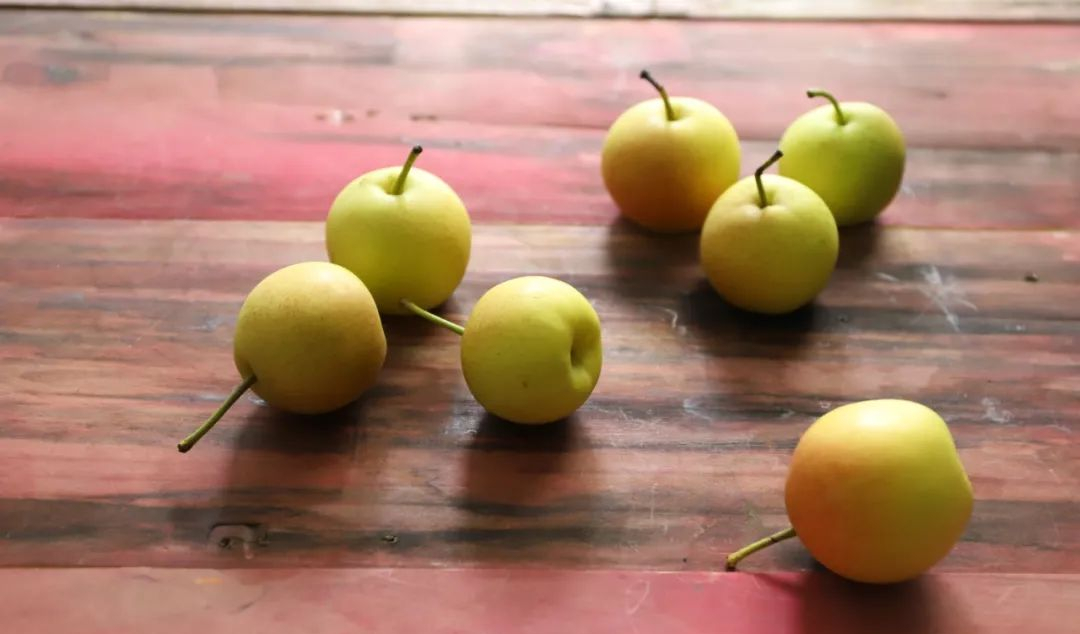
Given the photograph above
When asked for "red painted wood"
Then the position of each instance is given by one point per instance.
(260, 117)
(121, 601)
(272, 163)
(116, 340)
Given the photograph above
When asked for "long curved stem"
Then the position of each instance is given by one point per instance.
(433, 318)
(663, 94)
(186, 444)
(734, 558)
(761, 170)
(840, 118)
(399, 184)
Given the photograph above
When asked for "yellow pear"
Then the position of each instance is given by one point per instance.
(404, 232)
(876, 491)
(531, 352)
(665, 161)
(769, 244)
(308, 340)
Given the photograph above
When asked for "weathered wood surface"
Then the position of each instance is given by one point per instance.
(246, 117)
(383, 601)
(116, 339)
(996, 10)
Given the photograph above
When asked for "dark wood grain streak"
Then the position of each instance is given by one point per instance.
(115, 338)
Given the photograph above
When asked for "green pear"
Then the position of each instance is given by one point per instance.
(531, 352)
(404, 232)
(769, 244)
(308, 340)
(852, 154)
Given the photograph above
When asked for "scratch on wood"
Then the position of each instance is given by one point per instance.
(944, 293)
(642, 589)
(994, 411)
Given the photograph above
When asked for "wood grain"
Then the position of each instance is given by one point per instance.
(167, 116)
(995, 10)
(329, 601)
(116, 339)
(259, 163)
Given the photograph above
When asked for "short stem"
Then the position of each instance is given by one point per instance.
(186, 444)
(663, 94)
(399, 184)
(445, 323)
(761, 170)
(737, 556)
(835, 104)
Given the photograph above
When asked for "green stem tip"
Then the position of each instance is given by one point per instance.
(663, 94)
(761, 170)
(433, 318)
(734, 558)
(840, 118)
(399, 184)
(186, 444)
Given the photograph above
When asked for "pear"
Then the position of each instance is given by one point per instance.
(851, 153)
(665, 160)
(308, 340)
(875, 491)
(769, 244)
(531, 352)
(404, 232)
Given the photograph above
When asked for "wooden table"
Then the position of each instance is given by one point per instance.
(155, 166)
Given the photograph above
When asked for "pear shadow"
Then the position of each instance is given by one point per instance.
(528, 493)
(642, 262)
(282, 466)
(828, 603)
(725, 328)
(508, 463)
(859, 243)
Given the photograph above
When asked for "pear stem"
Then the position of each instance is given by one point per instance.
(840, 118)
(759, 171)
(663, 94)
(445, 323)
(399, 184)
(737, 556)
(186, 444)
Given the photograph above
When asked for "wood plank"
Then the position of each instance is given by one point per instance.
(386, 600)
(963, 85)
(275, 132)
(991, 10)
(259, 163)
(116, 338)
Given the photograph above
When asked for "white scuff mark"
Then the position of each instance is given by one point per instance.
(693, 408)
(636, 595)
(887, 277)
(681, 330)
(1060, 427)
(1004, 596)
(824, 404)
(787, 413)
(994, 412)
(945, 294)
(908, 190)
